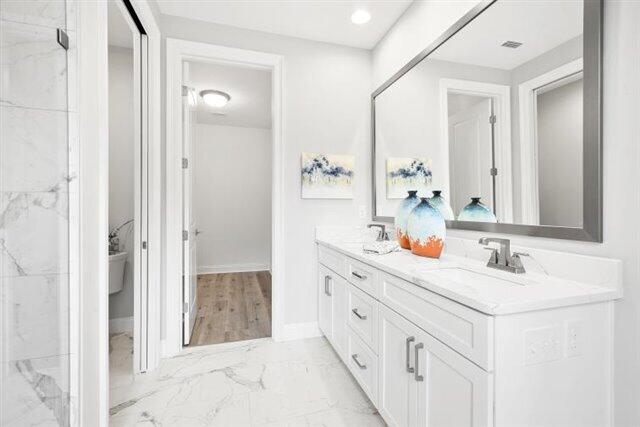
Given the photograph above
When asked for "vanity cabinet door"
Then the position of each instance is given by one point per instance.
(325, 301)
(340, 314)
(397, 388)
(452, 391)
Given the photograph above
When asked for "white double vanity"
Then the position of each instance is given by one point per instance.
(451, 342)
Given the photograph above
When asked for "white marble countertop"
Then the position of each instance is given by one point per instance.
(494, 292)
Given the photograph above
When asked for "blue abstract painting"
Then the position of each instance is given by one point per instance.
(327, 176)
(405, 174)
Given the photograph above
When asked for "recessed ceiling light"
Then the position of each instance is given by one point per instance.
(215, 98)
(360, 17)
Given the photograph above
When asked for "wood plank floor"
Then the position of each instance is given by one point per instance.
(232, 307)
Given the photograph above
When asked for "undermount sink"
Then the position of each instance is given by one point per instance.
(469, 277)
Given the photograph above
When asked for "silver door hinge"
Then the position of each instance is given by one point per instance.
(63, 38)
(493, 171)
(492, 119)
(185, 307)
(185, 163)
(185, 235)
(144, 245)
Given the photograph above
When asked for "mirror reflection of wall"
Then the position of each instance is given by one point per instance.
(497, 112)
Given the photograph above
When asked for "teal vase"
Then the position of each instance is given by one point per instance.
(402, 215)
(477, 212)
(427, 230)
(439, 202)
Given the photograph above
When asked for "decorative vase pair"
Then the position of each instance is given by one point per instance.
(420, 224)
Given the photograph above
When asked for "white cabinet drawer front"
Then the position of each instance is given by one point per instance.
(332, 259)
(363, 316)
(467, 331)
(363, 276)
(363, 364)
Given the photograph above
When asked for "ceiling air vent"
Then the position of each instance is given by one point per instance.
(511, 44)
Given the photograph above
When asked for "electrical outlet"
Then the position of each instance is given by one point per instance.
(362, 212)
(573, 333)
(542, 345)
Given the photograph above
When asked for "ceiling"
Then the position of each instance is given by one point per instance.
(538, 25)
(250, 91)
(326, 21)
(119, 32)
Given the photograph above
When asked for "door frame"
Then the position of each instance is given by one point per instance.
(177, 51)
(90, 310)
(501, 95)
(527, 103)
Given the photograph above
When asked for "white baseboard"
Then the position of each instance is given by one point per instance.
(233, 268)
(298, 331)
(121, 324)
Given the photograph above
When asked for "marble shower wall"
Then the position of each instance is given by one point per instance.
(36, 186)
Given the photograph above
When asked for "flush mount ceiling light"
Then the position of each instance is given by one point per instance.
(360, 17)
(215, 98)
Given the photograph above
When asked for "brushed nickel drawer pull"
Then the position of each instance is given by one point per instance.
(326, 285)
(355, 359)
(417, 376)
(360, 316)
(407, 351)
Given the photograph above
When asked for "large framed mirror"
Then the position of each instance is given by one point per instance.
(502, 112)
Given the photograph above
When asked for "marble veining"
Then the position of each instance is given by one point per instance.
(250, 383)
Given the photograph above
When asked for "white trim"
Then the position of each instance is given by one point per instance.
(299, 331)
(233, 268)
(502, 110)
(178, 51)
(530, 198)
(121, 324)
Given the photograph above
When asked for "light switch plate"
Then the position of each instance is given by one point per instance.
(574, 338)
(542, 345)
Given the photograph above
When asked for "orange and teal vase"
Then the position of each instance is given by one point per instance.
(402, 215)
(476, 211)
(427, 230)
(439, 202)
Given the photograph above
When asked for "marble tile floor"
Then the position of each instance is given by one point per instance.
(249, 383)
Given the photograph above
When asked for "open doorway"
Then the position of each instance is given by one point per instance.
(227, 203)
(127, 50)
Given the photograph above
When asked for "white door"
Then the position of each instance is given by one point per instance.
(452, 391)
(471, 155)
(325, 301)
(397, 400)
(189, 274)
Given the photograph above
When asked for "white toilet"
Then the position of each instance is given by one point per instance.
(117, 260)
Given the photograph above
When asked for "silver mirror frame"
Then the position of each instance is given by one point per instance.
(592, 133)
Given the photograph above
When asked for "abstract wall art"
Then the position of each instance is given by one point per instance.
(407, 174)
(327, 176)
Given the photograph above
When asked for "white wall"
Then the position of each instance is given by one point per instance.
(121, 157)
(424, 21)
(232, 198)
(326, 109)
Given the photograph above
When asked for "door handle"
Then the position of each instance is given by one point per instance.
(326, 285)
(407, 350)
(358, 275)
(417, 376)
(360, 316)
(355, 359)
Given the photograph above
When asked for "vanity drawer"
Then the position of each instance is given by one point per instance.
(363, 276)
(465, 330)
(363, 364)
(332, 259)
(363, 316)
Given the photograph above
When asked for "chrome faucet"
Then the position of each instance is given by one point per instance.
(502, 258)
(382, 234)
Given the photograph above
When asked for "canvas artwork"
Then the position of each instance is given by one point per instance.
(406, 173)
(327, 176)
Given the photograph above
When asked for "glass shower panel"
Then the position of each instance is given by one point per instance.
(34, 215)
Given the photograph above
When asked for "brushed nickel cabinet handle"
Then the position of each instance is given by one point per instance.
(417, 376)
(355, 359)
(358, 275)
(360, 316)
(326, 285)
(407, 350)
